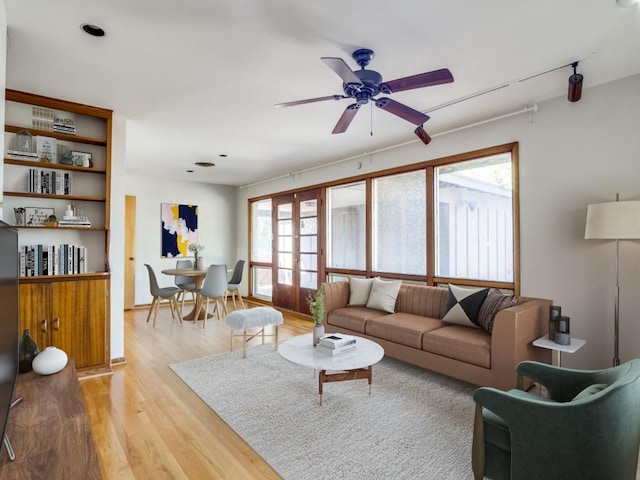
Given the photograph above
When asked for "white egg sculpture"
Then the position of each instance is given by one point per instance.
(49, 361)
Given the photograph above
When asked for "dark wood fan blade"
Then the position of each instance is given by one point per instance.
(345, 119)
(310, 100)
(428, 79)
(339, 66)
(402, 111)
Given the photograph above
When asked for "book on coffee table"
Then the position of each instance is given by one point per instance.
(337, 350)
(336, 340)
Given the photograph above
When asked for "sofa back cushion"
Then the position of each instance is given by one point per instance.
(422, 300)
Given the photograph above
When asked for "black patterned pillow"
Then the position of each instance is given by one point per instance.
(495, 302)
(464, 304)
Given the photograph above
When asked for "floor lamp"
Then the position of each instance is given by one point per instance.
(614, 221)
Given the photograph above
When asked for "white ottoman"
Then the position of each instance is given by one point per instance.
(259, 317)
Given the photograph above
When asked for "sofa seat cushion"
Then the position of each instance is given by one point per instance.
(469, 345)
(403, 328)
(352, 318)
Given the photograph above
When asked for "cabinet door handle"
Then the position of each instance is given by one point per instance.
(44, 325)
(56, 323)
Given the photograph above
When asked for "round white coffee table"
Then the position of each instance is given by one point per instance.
(352, 365)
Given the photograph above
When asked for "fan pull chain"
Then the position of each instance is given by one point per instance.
(371, 105)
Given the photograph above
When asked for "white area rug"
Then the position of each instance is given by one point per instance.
(415, 424)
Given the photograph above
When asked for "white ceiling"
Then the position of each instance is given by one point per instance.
(199, 78)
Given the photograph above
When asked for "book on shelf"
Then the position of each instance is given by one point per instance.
(38, 260)
(16, 154)
(336, 340)
(337, 350)
(49, 182)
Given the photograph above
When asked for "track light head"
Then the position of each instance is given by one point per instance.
(422, 135)
(575, 85)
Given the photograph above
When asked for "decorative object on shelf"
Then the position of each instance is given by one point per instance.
(179, 225)
(51, 360)
(315, 300)
(25, 143)
(27, 351)
(614, 221)
(199, 262)
(36, 216)
(47, 148)
(19, 213)
(82, 159)
(554, 312)
(65, 155)
(42, 118)
(64, 125)
(51, 221)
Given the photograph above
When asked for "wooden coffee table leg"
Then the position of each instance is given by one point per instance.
(357, 374)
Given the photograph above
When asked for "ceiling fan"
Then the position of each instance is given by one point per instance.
(364, 85)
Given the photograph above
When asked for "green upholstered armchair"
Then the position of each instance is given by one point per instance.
(587, 428)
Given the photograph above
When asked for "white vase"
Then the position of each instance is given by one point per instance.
(201, 263)
(50, 360)
(318, 331)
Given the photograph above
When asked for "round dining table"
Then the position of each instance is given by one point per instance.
(198, 312)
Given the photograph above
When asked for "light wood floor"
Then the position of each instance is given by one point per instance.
(148, 424)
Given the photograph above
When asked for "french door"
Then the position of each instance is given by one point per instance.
(296, 248)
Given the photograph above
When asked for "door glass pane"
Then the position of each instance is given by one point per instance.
(261, 231)
(309, 280)
(346, 226)
(308, 262)
(474, 219)
(400, 223)
(284, 211)
(285, 260)
(308, 226)
(309, 243)
(285, 276)
(284, 227)
(308, 208)
(285, 244)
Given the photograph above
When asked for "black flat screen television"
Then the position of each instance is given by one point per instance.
(8, 323)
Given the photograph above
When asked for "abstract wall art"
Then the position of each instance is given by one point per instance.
(179, 229)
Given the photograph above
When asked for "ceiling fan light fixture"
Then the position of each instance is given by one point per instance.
(575, 85)
(422, 135)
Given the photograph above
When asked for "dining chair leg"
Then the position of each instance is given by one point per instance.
(153, 302)
(240, 298)
(155, 314)
(206, 313)
(244, 344)
(179, 312)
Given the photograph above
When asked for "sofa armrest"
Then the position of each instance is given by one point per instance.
(336, 295)
(514, 330)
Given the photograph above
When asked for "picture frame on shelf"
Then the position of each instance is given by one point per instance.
(37, 216)
(82, 159)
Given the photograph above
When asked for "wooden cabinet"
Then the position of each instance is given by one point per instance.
(69, 311)
(70, 315)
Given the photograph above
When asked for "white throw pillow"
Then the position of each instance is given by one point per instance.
(359, 289)
(464, 304)
(383, 295)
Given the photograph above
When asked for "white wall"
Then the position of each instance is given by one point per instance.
(116, 245)
(571, 154)
(217, 216)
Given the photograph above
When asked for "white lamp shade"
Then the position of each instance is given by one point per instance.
(613, 220)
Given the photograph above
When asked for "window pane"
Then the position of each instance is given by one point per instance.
(346, 226)
(262, 284)
(285, 244)
(261, 231)
(308, 226)
(309, 243)
(308, 262)
(285, 276)
(400, 223)
(474, 219)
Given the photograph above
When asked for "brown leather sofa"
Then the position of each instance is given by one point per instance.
(415, 334)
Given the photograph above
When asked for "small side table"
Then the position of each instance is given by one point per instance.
(574, 346)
